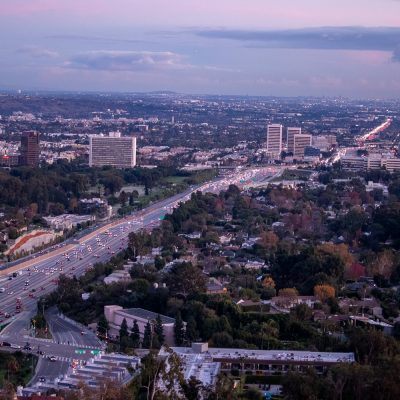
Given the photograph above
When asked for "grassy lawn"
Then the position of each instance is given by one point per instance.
(175, 179)
(18, 368)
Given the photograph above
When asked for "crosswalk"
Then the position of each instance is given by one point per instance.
(58, 358)
(66, 359)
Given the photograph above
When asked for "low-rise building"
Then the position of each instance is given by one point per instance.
(286, 303)
(214, 286)
(264, 362)
(67, 221)
(117, 277)
(116, 314)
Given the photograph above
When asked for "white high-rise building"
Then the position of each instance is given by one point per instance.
(113, 150)
(274, 139)
(290, 138)
(301, 141)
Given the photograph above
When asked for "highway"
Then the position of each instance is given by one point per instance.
(39, 277)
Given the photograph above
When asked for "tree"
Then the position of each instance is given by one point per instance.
(288, 296)
(269, 240)
(302, 312)
(165, 369)
(135, 335)
(123, 331)
(103, 326)
(324, 292)
(179, 330)
(8, 391)
(152, 366)
(192, 388)
(383, 264)
(123, 197)
(159, 330)
(147, 336)
(139, 243)
(341, 250)
(268, 283)
(184, 279)
(12, 366)
(191, 330)
(123, 335)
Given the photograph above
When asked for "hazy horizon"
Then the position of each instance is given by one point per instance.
(287, 48)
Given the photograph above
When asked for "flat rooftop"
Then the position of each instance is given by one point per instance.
(147, 315)
(220, 354)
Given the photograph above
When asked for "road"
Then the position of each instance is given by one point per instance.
(65, 331)
(38, 277)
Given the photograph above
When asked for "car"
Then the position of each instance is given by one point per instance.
(6, 344)
(28, 347)
(15, 346)
(52, 358)
(42, 379)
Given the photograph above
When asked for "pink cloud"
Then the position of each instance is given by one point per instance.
(262, 14)
(28, 7)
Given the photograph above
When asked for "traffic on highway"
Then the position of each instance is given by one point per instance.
(21, 289)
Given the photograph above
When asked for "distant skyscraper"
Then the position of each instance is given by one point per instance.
(300, 143)
(30, 149)
(112, 150)
(290, 138)
(274, 139)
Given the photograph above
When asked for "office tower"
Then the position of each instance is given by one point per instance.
(274, 140)
(112, 150)
(30, 149)
(301, 141)
(290, 138)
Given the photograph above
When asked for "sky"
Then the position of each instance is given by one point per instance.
(345, 48)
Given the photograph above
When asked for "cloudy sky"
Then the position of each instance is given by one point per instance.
(256, 47)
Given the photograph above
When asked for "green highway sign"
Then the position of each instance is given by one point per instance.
(80, 351)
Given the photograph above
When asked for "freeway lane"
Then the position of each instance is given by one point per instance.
(40, 277)
(66, 332)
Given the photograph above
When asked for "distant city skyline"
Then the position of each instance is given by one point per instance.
(243, 47)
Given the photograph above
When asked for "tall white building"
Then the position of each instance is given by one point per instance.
(300, 143)
(274, 139)
(113, 150)
(290, 137)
